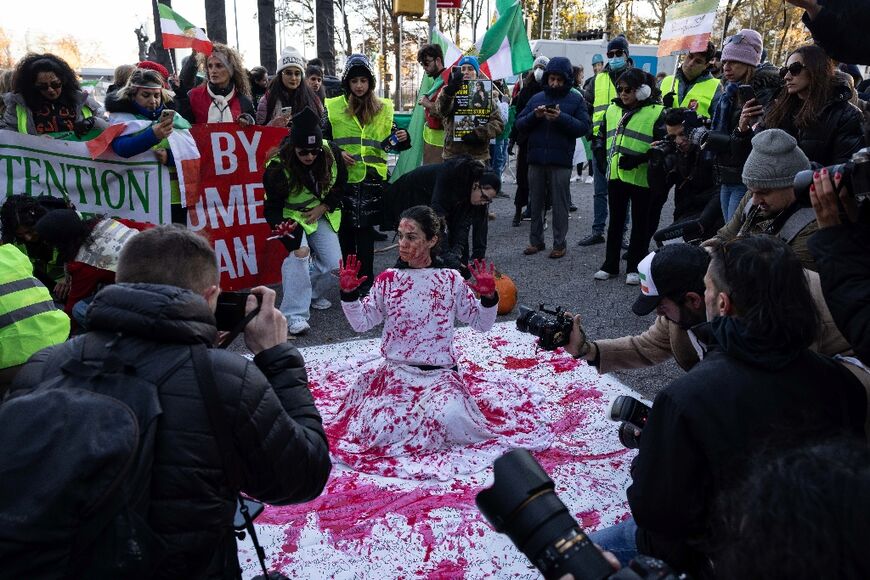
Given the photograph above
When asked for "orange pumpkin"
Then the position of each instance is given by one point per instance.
(507, 293)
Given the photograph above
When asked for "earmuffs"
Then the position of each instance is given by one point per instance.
(643, 92)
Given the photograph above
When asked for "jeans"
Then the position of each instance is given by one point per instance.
(618, 539)
(549, 181)
(729, 197)
(498, 155)
(620, 194)
(311, 277)
(80, 311)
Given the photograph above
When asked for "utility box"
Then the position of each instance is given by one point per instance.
(408, 7)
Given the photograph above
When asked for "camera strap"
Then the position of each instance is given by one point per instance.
(238, 328)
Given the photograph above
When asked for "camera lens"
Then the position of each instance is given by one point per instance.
(629, 435)
(629, 409)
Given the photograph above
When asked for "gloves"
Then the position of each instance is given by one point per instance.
(628, 162)
(668, 100)
(348, 274)
(454, 84)
(81, 128)
(473, 139)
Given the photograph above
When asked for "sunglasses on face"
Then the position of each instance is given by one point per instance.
(615, 53)
(794, 69)
(308, 152)
(625, 90)
(55, 85)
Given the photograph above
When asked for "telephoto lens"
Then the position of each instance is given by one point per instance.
(629, 435)
(629, 409)
(522, 503)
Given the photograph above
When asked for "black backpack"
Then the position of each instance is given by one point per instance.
(75, 468)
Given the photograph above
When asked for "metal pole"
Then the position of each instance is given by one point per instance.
(433, 10)
(383, 88)
(236, 21)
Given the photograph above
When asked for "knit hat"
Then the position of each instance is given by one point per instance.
(745, 47)
(669, 272)
(774, 161)
(357, 65)
(541, 62)
(290, 57)
(59, 226)
(305, 131)
(597, 58)
(618, 43)
(469, 59)
(156, 67)
(490, 178)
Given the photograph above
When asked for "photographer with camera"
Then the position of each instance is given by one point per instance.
(760, 386)
(693, 87)
(770, 206)
(151, 331)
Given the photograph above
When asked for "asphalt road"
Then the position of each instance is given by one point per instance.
(605, 306)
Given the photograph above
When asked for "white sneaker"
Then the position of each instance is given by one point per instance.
(575, 178)
(632, 279)
(321, 304)
(298, 327)
(602, 275)
(589, 179)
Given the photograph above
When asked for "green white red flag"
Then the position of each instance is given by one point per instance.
(505, 49)
(179, 33)
(688, 26)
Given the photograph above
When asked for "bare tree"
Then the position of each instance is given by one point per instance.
(610, 16)
(343, 7)
(266, 23)
(216, 20)
(325, 27)
(728, 14)
(659, 7)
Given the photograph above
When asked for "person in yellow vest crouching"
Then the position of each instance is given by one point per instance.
(47, 99)
(631, 123)
(29, 320)
(303, 182)
(362, 125)
(693, 87)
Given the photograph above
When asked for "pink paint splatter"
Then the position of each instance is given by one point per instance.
(514, 363)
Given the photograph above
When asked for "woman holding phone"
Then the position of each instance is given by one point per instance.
(288, 92)
(141, 105)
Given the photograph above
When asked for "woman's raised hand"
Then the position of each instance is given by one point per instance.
(348, 274)
(484, 280)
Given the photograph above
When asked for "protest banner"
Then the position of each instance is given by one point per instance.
(230, 207)
(136, 188)
(688, 26)
(473, 107)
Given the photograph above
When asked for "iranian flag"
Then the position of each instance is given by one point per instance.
(452, 54)
(505, 50)
(179, 33)
(688, 26)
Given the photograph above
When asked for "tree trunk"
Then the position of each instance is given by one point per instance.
(216, 20)
(268, 42)
(324, 24)
(610, 18)
(342, 7)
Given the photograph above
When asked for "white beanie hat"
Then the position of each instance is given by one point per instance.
(541, 62)
(290, 57)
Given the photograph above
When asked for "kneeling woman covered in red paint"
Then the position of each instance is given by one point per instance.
(414, 415)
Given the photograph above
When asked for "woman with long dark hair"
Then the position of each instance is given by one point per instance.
(287, 89)
(814, 107)
(303, 183)
(47, 99)
(225, 97)
(411, 414)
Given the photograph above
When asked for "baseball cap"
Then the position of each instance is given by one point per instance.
(671, 271)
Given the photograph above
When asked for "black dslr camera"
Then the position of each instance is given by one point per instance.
(633, 414)
(552, 327)
(522, 503)
(856, 177)
(663, 154)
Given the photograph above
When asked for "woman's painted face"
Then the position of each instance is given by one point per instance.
(359, 86)
(149, 99)
(414, 248)
(314, 82)
(291, 78)
(49, 85)
(218, 74)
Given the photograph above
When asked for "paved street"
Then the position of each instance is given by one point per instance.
(605, 306)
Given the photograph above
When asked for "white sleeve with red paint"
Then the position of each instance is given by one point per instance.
(368, 312)
(470, 310)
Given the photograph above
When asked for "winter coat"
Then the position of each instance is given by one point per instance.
(749, 395)
(281, 445)
(82, 99)
(841, 29)
(531, 87)
(844, 266)
(130, 145)
(834, 136)
(443, 110)
(553, 142)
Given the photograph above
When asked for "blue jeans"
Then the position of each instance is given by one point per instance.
(309, 278)
(80, 311)
(618, 539)
(729, 198)
(498, 155)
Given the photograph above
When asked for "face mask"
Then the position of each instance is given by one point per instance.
(617, 62)
(539, 74)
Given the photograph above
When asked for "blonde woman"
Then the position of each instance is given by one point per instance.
(225, 97)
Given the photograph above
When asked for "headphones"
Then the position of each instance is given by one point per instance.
(643, 92)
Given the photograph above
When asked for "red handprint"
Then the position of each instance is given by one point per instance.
(348, 274)
(283, 230)
(484, 280)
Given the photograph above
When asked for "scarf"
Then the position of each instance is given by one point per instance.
(722, 115)
(219, 111)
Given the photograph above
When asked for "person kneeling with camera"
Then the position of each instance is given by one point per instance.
(760, 387)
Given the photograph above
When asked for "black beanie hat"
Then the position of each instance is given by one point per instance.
(618, 43)
(59, 226)
(305, 131)
(490, 178)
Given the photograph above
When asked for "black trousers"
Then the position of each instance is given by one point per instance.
(521, 197)
(359, 241)
(619, 194)
(479, 232)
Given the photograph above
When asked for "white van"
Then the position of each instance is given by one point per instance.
(581, 52)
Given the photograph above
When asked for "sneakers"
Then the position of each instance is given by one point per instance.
(602, 275)
(527, 216)
(591, 240)
(321, 304)
(575, 178)
(533, 249)
(632, 279)
(298, 327)
(518, 218)
(557, 253)
(588, 179)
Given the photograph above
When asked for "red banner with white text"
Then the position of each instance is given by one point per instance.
(230, 208)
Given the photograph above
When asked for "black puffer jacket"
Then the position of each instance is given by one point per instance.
(281, 446)
(835, 135)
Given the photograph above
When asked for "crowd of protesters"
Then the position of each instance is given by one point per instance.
(764, 304)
